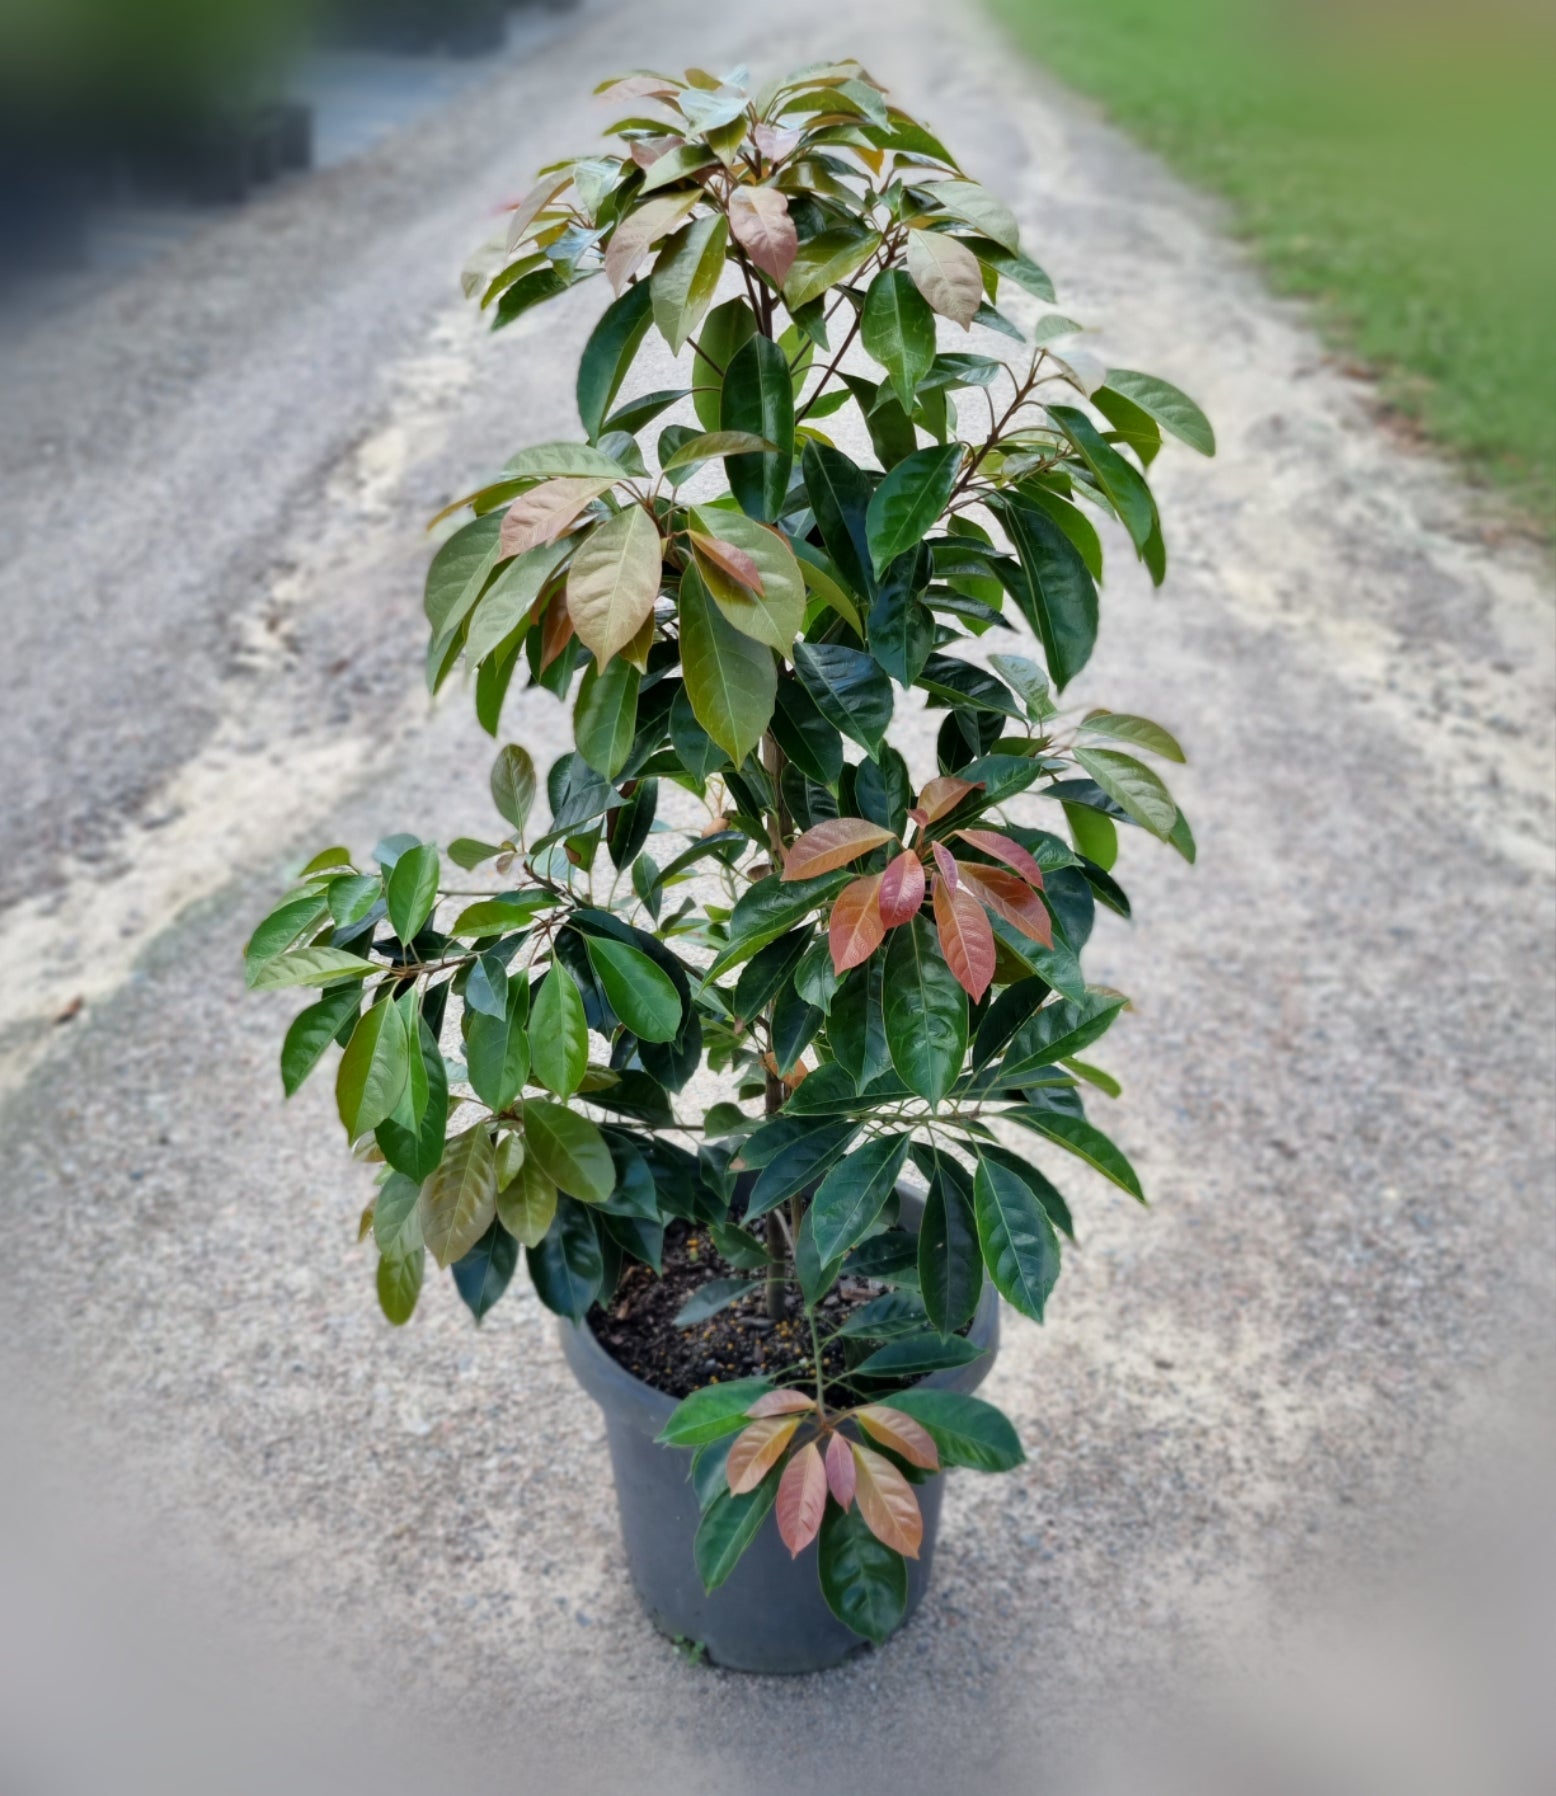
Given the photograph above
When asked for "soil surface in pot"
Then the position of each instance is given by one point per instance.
(638, 1328)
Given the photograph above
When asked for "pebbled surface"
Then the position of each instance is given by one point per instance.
(1258, 1415)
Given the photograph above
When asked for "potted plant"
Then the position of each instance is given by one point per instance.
(740, 882)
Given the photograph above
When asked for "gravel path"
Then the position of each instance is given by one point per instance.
(1252, 1408)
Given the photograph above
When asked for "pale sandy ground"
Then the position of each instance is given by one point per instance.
(1287, 1431)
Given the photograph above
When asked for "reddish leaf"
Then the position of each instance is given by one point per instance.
(802, 1499)
(545, 511)
(1001, 848)
(759, 222)
(966, 939)
(887, 1503)
(946, 865)
(646, 151)
(902, 889)
(557, 631)
(638, 87)
(1010, 897)
(780, 1403)
(774, 143)
(945, 794)
(740, 567)
(856, 929)
(756, 1451)
(841, 1475)
(831, 845)
(901, 1433)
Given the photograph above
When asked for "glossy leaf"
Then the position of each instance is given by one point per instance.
(946, 272)
(711, 1413)
(1086, 1142)
(497, 1049)
(1020, 1248)
(788, 1402)
(731, 680)
(1172, 409)
(887, 1503)
(311, 1032)
(909, 502)
(925, 1012)
(1133, 786)
(826, 260)
(686, 275)
(849, 690)
(373, 1070)
(853, 1194)
(728, 1526)
(460, 1199)
(915, 1355)
(901, 894)
(864, 1582)
(513, 785)
(756, 1450)
(1009, 896)
(839, 495)
(559, 1033)
(1001, 848)
(527, 1204)
(605, 716)
(636, 234)
(412, 889)
(413, 1143)
(567, 1268)
(569, 1149)
(608, 355)
(484, 1273)
(830, 845)
(842, 1476)
(898, 330)
(966, 1430)
(1058, 1031)
(856, 928)
(758, 398)
(950, 1261)
(309, 966)
(766, 598)
(613, 581)
(399, 1282)
(1055, 589)
(965, 938)
(760, 223)
(896, 1429)
(802, 1499)
(640, 993)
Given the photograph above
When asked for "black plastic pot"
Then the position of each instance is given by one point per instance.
(769, 1616)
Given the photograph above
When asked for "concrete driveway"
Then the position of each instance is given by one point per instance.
(1285, 1429)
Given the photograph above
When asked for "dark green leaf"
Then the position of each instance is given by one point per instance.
(415, 1148)
(608, 355)
(799, 1165)
(567, 1268)
(899, 330)
(728, 1527)
(915, 1356)
(1054, 589)
(864, 1582)
(709, 1414)
(950, 1265)
(312, 1030)
(605, 716)
(412, 890)
(909, 501)
(758, 397)
(1020, 1248)
(853, 1194)
(968, 1431)
(1086, 1142)
(839, 495)
(849, 690)
(731, 680)
(1057, 1031)
(707, 1300)
(925, 1011)
(483, 1274)
(497, 1049)
(640, 993)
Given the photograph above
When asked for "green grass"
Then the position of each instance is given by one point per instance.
(1400, 180)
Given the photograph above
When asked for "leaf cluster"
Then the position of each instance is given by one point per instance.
(737, 611)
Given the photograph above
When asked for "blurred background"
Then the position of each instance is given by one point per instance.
(1285, 1523)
